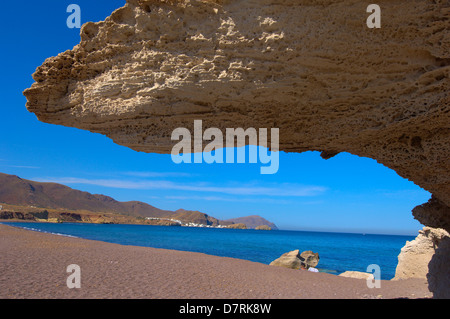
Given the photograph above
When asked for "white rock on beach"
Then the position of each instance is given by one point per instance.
(357, 274)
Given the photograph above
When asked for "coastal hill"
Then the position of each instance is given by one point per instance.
(26, 199)
(196, 217)
(17, 191)
(252, 221)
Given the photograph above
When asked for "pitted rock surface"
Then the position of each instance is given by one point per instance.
(311, 68)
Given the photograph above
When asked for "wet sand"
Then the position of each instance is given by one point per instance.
(33, 265)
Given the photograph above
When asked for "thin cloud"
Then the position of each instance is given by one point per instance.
(157, 174)
(279, 190)
(22, 166)
(230, 199)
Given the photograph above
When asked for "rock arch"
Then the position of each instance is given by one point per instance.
(309, 67)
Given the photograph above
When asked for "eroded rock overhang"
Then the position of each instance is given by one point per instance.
(311, 68)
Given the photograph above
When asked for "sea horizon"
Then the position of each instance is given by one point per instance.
(408, 234)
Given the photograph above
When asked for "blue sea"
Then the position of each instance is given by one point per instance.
(338, 251)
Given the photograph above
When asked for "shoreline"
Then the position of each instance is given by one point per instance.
(36, 230)
(333, 271)
(322, 270)
(33, 266)
(411, 236)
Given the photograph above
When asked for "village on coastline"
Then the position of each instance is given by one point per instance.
(27, 200)
(36, 214)
(185, 224)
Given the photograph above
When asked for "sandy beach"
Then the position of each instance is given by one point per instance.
(33, 265)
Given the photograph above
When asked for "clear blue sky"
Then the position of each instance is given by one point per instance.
(345, 193)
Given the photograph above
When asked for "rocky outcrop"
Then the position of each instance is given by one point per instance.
(309, 259)
(310, 68)
(162, 222)
(288, 260)
(434, 213)
(237, 226)
(295, 260)
(416, 255)
(439, 271)
(55, 216)
(263, 227)
(16, 215)
(71, 217)
(153, 66)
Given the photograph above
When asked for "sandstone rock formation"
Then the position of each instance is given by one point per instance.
(263, 227)
(416, 255)
(311, 68)
(237, 226)
(309, 259)
(295, 260)
(427, 256)
(17, 215)
(288, 260)
(439, 271)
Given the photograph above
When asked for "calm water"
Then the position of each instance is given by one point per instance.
(338, 251)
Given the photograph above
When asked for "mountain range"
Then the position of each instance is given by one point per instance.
(60, 198)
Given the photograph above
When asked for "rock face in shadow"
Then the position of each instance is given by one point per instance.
(416, 255)
(434, 213)
(311, 68)
(439, 271)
